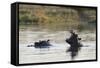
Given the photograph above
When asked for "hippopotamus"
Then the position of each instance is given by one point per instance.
(42, 44)
(74, 44)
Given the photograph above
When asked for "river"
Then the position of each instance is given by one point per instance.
(57, 52)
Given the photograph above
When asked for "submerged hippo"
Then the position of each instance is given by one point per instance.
(41, 44)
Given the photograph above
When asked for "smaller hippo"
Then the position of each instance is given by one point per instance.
(42, 44)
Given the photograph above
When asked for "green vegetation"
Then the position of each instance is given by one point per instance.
(57, 18)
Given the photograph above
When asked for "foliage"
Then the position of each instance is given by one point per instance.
(56, 18)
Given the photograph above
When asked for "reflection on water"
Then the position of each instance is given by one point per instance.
(57, 52)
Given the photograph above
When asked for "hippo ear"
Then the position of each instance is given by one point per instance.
(48, 40)
(79, 38)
